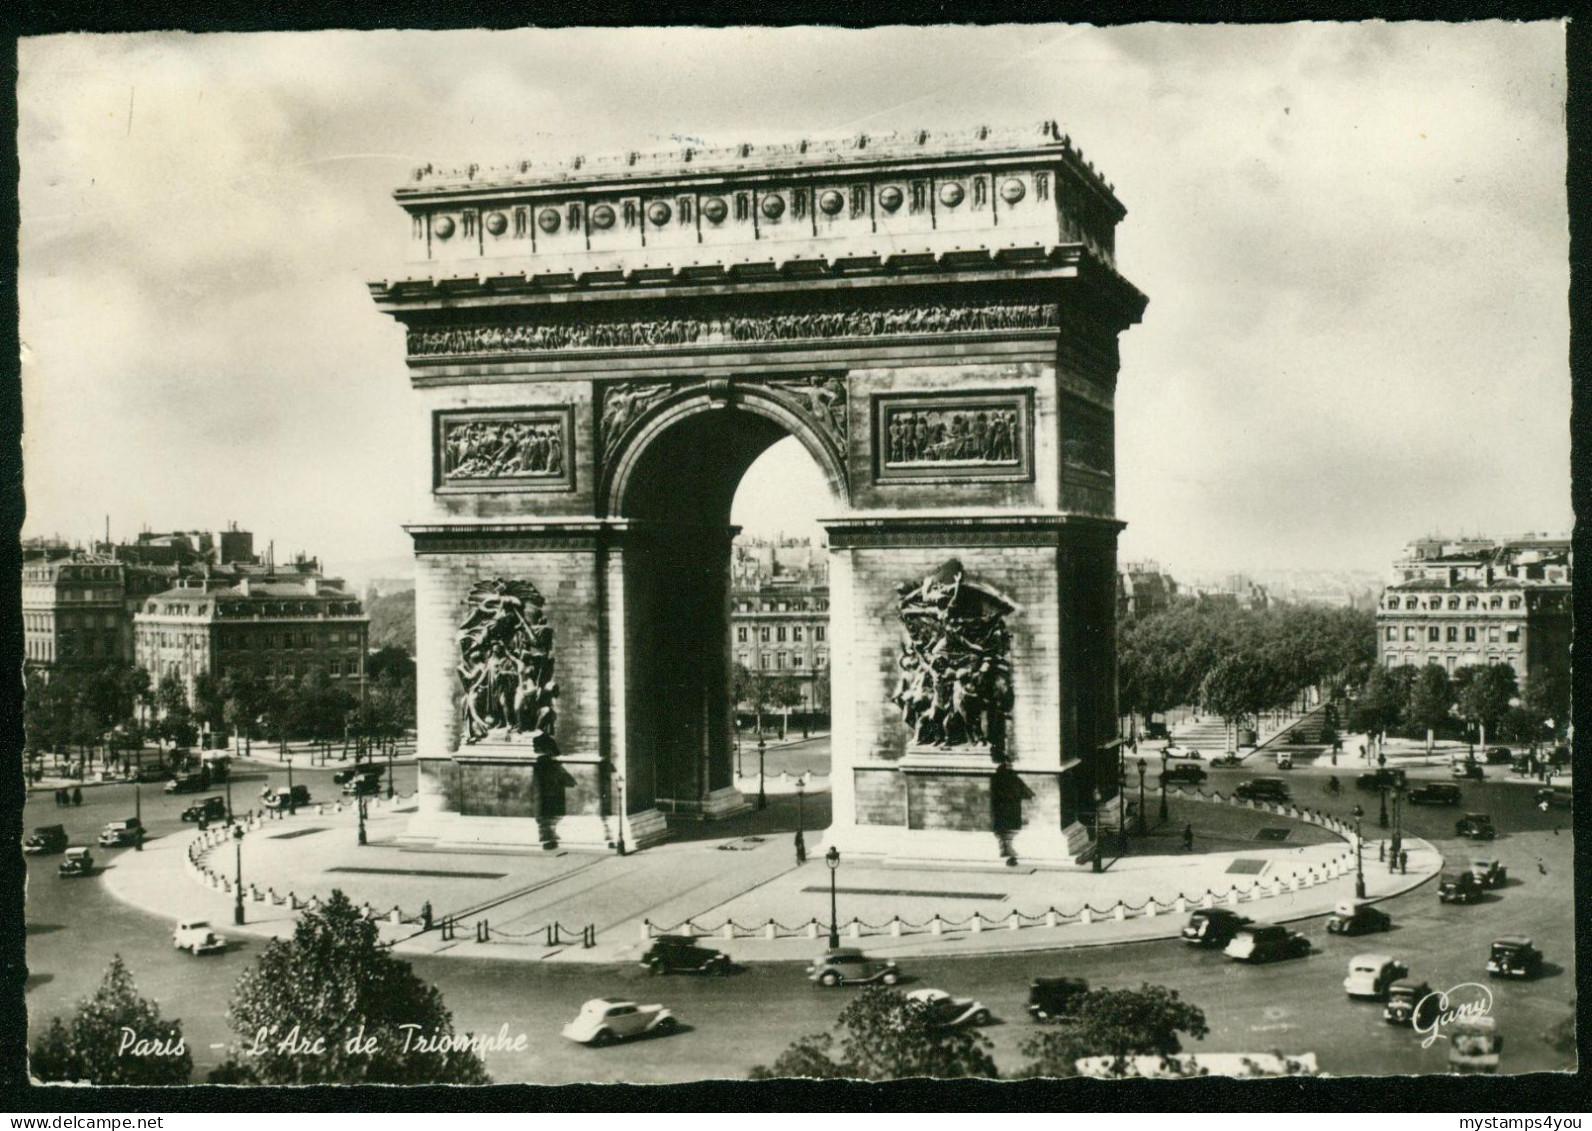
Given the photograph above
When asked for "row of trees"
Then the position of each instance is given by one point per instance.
(1487, 697)
(1239, 663)
(770, 693)
(884, 1035)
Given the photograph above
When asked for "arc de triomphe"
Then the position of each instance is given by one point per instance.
(601, 348)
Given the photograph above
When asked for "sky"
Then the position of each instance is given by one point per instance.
(1353, 238)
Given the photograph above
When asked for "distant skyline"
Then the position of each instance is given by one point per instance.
(1353, 238)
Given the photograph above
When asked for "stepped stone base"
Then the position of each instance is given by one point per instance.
(450, 830)
(1057, 848)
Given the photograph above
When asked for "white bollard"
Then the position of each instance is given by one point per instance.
(812, 929)
(936, 927)
(895, 927)
(729, 929)
(1232, 897)
(1209, 900)
(1050, 917)
(1015, 921)
(856, 929)
(646, 930)
(1120, 912)
(1182, 905)
(768, 930)
(978, 923)
(1085, 915)
(1149, 910)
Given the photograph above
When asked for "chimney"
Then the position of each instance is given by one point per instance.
(312, 586)
(243, 585)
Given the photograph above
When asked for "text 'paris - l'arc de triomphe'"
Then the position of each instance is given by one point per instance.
(602, 347)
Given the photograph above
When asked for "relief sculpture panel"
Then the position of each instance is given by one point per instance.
(936, 439)
(506, 666)
(494, 450)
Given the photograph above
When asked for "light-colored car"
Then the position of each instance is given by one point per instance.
(602, 1021)
(1371, 975)
(1285, 759)
(1488, 871)
(848, 965)
(122, 834)
(1266, 942)
(947, 1012)
(195, 935)
(78, 862)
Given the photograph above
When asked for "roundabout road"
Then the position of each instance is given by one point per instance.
(733, 1023)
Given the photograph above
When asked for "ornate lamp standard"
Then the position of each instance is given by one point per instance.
(1381, 817)
(389, 770)
(1163, 787)
(832, 858)
(229, 796)
(362, 839)
(1143, 828)
(801, 843)
(1094, 801)
(619, 806)
(762, 795)
(237, 879)
(292, 808)
(1359, 864)
(1122, 805)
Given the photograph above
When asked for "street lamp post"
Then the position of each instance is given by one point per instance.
(237, 879)
(619, 805)
(762, 795)
(1381, 817)
(1163, 787)
(1143, 827)
(1094, 801)
(389, 771)
(138, 802)
(832, 858)
(362, 839)
(801, 843)
(1359, 864)
(292, 808)
(1122, 806)
(229, 795)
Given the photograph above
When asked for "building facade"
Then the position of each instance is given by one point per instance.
(74, 612)
(779, 619)
(1462, 603)
(1143, 589)
(281, 628)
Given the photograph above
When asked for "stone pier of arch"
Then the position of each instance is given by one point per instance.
(599, 350)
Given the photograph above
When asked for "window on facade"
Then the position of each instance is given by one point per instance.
(1410, 602)
(779, 633)
(1470, 602)
(767, 661)
(1492, 636)
(764, 634)
(1434, 634)
(1392, 633)
(1453, 602)
(1514, 602)
(335, 669)
(798, 662)
(1453, 635)
(1512, 636)
(740, 635)
(818, 632)
(1470, 635)
(782, 661)
(1409, 633)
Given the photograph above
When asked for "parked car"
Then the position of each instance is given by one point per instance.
(278, 798)
(195, 935)
(1054, 999)
(1263, 789)
(147, 774)
(1266, 942)
(1409, 1002)
(343, 777)
(210, 809)
(122, 834)
(78, 862)
(1350, 918)
(360, 787)
(1186, 752)
(1475, 826)
(1187, 773)
(1554, 797)
(1497, 755)
(1285, 759)
(1370, 975)
(1513, 956)
(848, 965)
(947, 1012)
(1214, 926)
(1489, 872)
(671, 954)
(1390, 777)
(1434, 793)
(1225, 760)
(1155, 728)
(189, 783)
(1467, 768)
(46, 840)
(602, 1021)
(1458, 887)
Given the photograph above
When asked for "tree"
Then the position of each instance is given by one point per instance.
(209, 701)
(1382, 699)
(1429, 702)
(116, 1037)
(752, 687)
(785, 693)
(390, 662)
(334, 983)
(392, 620)
(884, 1035)
(1484, 695)
(1148, 1021)
(246, 697)
(1547, 695)
(176, 723)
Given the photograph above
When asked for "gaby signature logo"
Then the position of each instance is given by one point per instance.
(1464, 1002)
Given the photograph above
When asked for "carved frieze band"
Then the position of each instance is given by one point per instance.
(504, 449)
(946, 438)
(820, 397)
(555, 332)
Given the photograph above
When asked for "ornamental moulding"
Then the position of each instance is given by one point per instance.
(578, 333)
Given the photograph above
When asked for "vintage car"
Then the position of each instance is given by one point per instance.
(1489, 872)
(218, 766)
(360, 787)
(1262, 789)
(1513, 956)
(78, 862)
(1409, 1002)
(1266, 942)
(1388, 776)
(1285, 759)
(1156, 728)
(1467, 768)
(947, 1012)
(1055, 999)
(1554, 797)
(1475, 826)
(1213, 926)
(1370, 975)
(1434, 793)
(1499, 755)
(189, 783)
(45, 840)
(671, 954)
(196, 936)
(602, 1021)
(148, 774)
(1474, 1046)
(1175, 751)
(1458, 887)
(1226, 760)
(278, 798)
(849, 966)
(122, 834)
(1186, 774)
(1352, 918)
(343, 777)
(210, 809)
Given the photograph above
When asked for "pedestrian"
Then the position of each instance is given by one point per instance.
(1404, 862)
(425, 916)
(77, 795)
(57, 798)
(1381, 850)
(801, 850)
(1188, 838)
